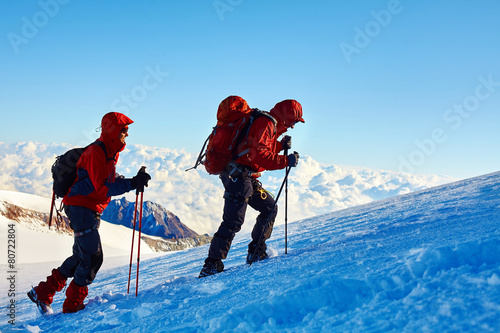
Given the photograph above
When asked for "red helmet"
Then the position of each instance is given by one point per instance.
(288, 112)
(111, 125)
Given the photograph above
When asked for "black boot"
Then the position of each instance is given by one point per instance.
(211, 267)
(254, 256)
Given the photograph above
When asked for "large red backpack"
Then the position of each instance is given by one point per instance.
(234, 118)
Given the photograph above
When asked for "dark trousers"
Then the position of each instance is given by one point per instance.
(240, 193)
(87, 256)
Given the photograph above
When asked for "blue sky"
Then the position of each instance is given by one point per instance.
(404, 85)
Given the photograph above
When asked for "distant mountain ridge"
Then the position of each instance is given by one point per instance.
(156, 220)
(162, 230)
(36, 219)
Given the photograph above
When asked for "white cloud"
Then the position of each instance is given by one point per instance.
(196, 197)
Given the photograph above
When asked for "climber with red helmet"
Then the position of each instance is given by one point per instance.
(89, 195)
(261, 152)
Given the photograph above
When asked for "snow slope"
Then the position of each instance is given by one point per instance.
(427, 261)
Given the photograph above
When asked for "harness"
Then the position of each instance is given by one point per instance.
(86, 231)
(257, 186)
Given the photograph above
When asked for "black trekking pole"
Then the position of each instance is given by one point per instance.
(286, 204)
(269, 217)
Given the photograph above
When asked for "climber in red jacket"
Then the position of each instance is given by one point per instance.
(243, 189)
(89, 195)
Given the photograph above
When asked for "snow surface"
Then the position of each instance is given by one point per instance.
(427, 261)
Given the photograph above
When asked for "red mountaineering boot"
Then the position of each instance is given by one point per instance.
(75, 295)
(43, 294)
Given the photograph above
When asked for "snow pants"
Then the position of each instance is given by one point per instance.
(239, 193)
(87, 256)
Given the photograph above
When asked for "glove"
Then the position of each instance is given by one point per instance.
(293, 159)
(286, 142)
(141, 179)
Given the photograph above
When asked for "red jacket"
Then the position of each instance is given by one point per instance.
(96, 179)
(263, 147)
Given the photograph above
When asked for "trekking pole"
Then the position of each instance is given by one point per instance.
(286, 204)
(139, 189)
(139, 243)
(132, 245)
(269, 217)
(52, 204)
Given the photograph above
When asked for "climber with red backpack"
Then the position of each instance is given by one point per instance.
(242, 145)
(89, 194)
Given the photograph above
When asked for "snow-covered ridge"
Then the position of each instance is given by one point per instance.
(427, 261)
(196, 197)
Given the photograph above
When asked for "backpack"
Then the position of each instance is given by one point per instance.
(234, 118)
(64, 169)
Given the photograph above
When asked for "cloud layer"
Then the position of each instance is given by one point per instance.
(196, 197)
